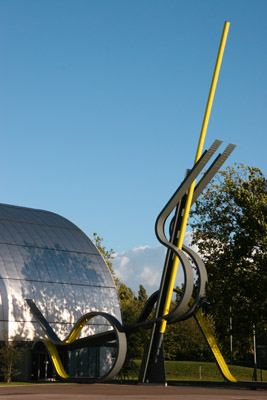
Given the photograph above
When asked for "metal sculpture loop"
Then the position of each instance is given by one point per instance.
(52, 342)
(152, 367)
(187, 306)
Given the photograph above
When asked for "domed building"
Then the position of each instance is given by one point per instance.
(46, 258)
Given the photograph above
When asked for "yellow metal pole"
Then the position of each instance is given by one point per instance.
(198, 154)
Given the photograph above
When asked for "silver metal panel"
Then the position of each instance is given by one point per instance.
(4, 289)
(73, 274)
(40, 263)
(11, 227)
(59, 306)
(49, 297)
(99, 271)
(53, 219)
(9, 212)
(40, 297)
(65, 243)
(86, 243)
(26, 215)
(106, 276)
(32, 240)
(7, 258)
(5, 236)
(61, 268)
(31, 267)
(3, 271)
(1, 308)
(18, 260)
(45, 257)
(27, 239)
(70, 240)
(1, 303)
(33, 231)
(90, 265)
(90, 299)
(2, 237)
(70, 298)
(27, 293)
(17, 301)
(76, 262)
(44, 236)
(56, 242)
(81, 305)
(51, 266)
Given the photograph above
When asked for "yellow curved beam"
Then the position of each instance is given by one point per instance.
(70, 339)
(214, 348)
(191, 189)
(76, 330)
(51, 344)
(56, 359)
(212, 344)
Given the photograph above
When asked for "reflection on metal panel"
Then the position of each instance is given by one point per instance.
(59, 262)
(78, 266)
(51, 305)
(86, 243)
(17, 304)
(45, 257)
(4, 234)
(8, 261)
(30, 271)
(18, 261)
(89, 298)
(56, 242)
(4, 288)
(11, 227)
(69, 237)
(80, 301)
(33, 231)
(40, 297)
(39, 262)
(73, 276)
(70, 302)
(3, 271)
(90, 264)
(51, 265)
(60, 309)
(27, 239)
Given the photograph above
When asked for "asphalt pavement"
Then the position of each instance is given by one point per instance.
(126, 392)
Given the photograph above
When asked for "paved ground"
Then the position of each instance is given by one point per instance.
(126, 392)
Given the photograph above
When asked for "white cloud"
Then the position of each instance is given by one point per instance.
(141, 265)
(144, 265)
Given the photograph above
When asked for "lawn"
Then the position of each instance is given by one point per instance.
(206, 371)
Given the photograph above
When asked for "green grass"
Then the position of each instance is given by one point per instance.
(190, 371)
(184, 371)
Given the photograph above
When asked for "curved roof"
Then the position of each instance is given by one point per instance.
(47, 258)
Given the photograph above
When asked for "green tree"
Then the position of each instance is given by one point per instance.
(108, 255)
(142, 295)
(10, 355)
(184, 341)
(131, 307)
(229, 225)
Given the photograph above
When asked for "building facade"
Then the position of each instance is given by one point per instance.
(46, 258)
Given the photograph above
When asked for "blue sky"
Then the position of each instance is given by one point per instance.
(102, 104)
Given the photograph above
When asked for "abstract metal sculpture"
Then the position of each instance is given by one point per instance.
(152, 368)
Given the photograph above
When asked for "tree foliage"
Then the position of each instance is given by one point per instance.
(131, 307)
(230, 228)
(108, 255)
(10, 354)
(183, 341)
